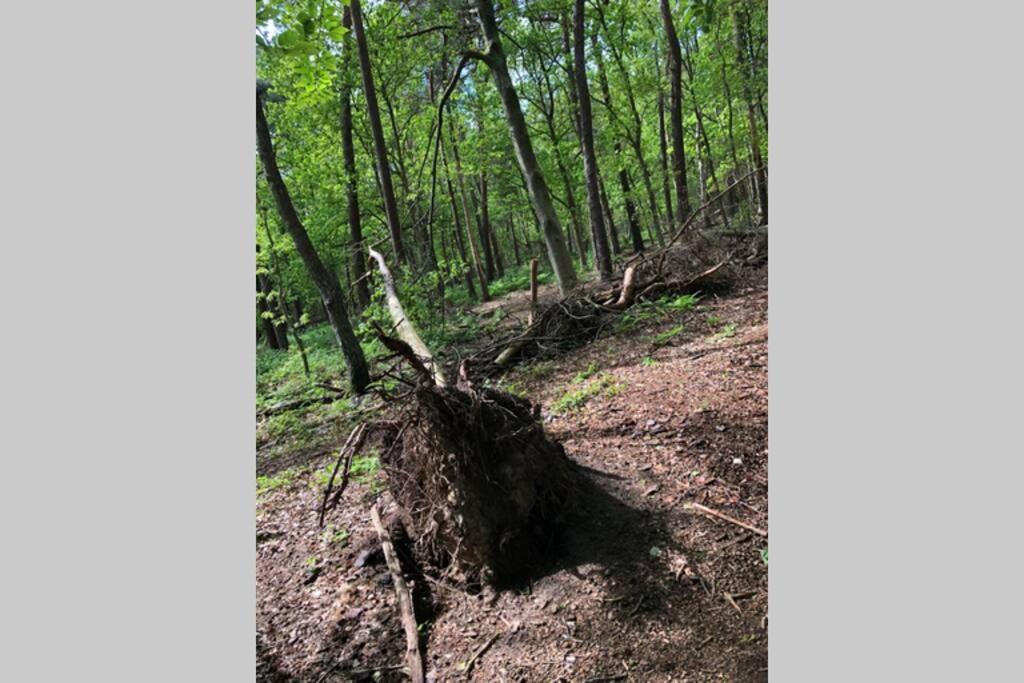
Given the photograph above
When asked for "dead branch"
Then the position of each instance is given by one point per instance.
(479, 651)
(403, 325)
(353, 444)
(413, 658)
(727, 518)
(629, 282)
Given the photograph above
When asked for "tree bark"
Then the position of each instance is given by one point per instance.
(675, 69)
(457, 222)
(533, 176)
(355, 228)
(478, 262)
(484, 224)
(327, 283)
(760, 177)
(379, 145)
(599, 238)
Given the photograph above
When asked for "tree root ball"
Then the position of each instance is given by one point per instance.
(481, 485)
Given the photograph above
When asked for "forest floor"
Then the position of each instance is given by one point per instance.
(668, 408)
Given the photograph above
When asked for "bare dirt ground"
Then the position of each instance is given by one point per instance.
(642, 588)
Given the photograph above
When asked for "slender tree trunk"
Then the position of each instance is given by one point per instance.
(537, 188)
(466, 269)
(515, 241)
(484, 225)
(263, 310)
(755, 141)
(613, 232)
(627, 193)
(481, 275)
(379, 145)
(602, 253)
(327, 283)
(355, 228)
(666, 183)
(635, 136)
(675, 68)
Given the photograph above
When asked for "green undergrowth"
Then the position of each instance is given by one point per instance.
(577, 396)
(660, 310)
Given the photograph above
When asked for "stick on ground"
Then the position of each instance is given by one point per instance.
(479, 651)
(413, 658)
(727, 518)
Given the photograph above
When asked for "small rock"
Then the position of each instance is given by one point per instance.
(737, 461)
(719, 428)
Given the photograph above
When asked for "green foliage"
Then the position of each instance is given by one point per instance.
(764, 555)
(336, 535)
(282, 479)
(575, 399)
(517, 279)
(728, 330)
(648, 362)
(666, 336)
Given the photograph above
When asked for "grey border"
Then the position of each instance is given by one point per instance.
(894, 364)
(128, 503)
(128, 353)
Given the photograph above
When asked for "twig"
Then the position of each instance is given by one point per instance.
(606, 679)
(354, 442)
(727, 518)
(413, 658)
(731, 601)
(479, 651)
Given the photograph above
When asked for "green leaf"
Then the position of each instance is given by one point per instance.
(289, 39)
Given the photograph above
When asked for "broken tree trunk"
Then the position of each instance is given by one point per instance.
(403, 325)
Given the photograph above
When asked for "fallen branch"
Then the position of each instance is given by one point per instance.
(353, 444)
(479, 651)
(727, 518)
(285, 406)
(413, 658)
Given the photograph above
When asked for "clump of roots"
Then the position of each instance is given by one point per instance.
(482, 487)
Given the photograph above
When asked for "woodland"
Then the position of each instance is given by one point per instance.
(511, 327)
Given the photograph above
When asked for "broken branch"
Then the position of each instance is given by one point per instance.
(413, 658)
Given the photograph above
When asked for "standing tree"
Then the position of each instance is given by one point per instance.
(602, 256)
(326, 283)
(359, 272)
(379, 145)
(675, 75)
(537, 188)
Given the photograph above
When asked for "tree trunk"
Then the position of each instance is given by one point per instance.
(263, 310)
(355, 227)
(675, 69)
(540, 195)
(613, 232)
(635, 136)
(379, 146)
(755, 142)
(330, 289)
(515, 241)
(478, 262)
(666, 183)
(634, 223)
(602, 253)
(484, 225)
(470, 289)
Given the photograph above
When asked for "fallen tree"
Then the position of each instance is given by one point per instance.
(480, 486)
